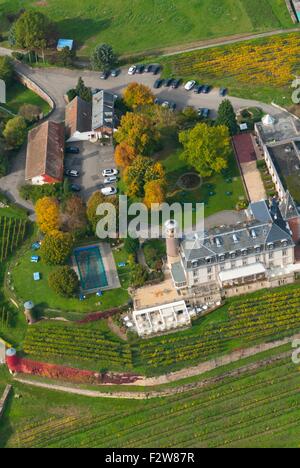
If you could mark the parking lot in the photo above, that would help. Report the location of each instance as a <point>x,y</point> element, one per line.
<point>90,162</point>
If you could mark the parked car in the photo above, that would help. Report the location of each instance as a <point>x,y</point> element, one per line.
<point>176,84</point>
<point>157,101</point>
<point>72,150</point>
<point>205,113</point>
<point>166,104</point>
<point>75,188</point>
<point>148,68</point>
<point>114,73</point>
<point>105,74</point>
<point>110,172</point>
<point>72,173</point>
<point>109,191</point>
<point>156,69</point>
<point>158,83</point>
<point>198,89</point>
<point>206,89</point>
<point>168,82</point>
<point>223,92</point>
<point>132,70</point>
<point>111,179</point>
<point>140,69</point>
<point>190,85</point>
<point>173,106</point>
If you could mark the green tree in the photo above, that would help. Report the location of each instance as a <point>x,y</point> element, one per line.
<point>131,245</point>
<point>56,247</point>
<point>33,30</point>
<point>103,57</point>
<point>83,91</point>
<point>227,117</point>
<point>206,148</point>
<point>6,70</point>
<point>66,56</point>
<point>15,132</point>
<point>64,281</point>
<point>138,275</point>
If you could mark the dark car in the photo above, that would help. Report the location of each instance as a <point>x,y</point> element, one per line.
<point>158,83</point>
<point>176,84</point>
<point>156,69</point>
<point>148,68</point>
<point>223,92</point>
<point>206,89</point>
<point>168,82</point>
<point>114,73</point>
<point>140,69</point>
<point>158,101</point>
<point>75,188</point>
<point>198,89</point>
<point>72,173</point>
<point>173,106</point>
<point>205,113</point>
<point>104,75</point>
<point>72,150</point>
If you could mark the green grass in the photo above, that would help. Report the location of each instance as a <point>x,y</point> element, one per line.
<point>17,95</point>
<point>139,25</point>
<point>227,188</point>
<point>259,408</point>
<point>45,298</point>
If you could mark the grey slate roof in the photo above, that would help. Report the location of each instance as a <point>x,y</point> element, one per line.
<point>178,272</point>
<point>260,211</point>
<point>220,245</point>
<point>103,110</point>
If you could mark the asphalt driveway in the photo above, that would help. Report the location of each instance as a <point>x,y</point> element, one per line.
<point>91,161</point>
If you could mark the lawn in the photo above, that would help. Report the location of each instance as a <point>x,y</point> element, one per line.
<point>45,298</point>
<point>258,408</point>
<point>140,25</point>
<point>219,192</point>
<point>17,95</point>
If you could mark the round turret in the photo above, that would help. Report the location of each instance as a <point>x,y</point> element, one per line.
<point>172,243</point>
<point>28,311</point>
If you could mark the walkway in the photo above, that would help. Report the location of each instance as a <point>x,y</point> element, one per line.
<point>176,376</point>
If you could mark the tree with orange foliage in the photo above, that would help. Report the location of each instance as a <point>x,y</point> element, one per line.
<point>139,132</point>
<point>155,192</point>
<point>47,213</point>
<point>124,155</point>
<point>138,95</point>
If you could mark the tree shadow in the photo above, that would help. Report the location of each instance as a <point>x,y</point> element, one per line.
<point>80,30</point>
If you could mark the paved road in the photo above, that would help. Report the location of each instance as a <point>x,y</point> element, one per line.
<point>57,81</point>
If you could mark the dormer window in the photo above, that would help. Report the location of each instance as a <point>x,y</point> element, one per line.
<point>232,254</point>
<point>222,258</point>
<point>244,252</point>
<point>194,263</point>
<point>257,249</point>
<point>271,246</point>
<point>285,243</point>
<point>208,260</point>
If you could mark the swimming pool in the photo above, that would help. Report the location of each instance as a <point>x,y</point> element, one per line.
<point>91,268</point>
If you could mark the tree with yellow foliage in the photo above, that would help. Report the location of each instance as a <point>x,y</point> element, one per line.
<point>155,192</point>
<point>139,132</point>
<point>138,95</point>
<point>124,155</point>
<point>47,213</point>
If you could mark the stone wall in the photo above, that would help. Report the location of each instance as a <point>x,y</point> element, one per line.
<point>30,84</point>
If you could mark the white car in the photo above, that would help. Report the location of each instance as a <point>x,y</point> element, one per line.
<point>109,191</point>
<point>132,70</point>
<point>109,180</point>
<point>189,85</point>
<point>110,172</point>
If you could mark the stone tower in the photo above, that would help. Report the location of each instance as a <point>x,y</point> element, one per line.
<point>172,242</point>
<point>28,311</point>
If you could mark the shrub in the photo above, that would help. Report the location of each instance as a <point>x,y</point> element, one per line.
<point>30,112</point>
<point>64,281</point>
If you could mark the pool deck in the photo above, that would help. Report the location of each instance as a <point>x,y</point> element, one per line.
<point>109,265</point>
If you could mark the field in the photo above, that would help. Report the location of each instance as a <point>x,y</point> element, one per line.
<point>45,298</point>
<point>139,25</point>
<point>240,324</point>
<point>258,408</point>
<point>263,69</point>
